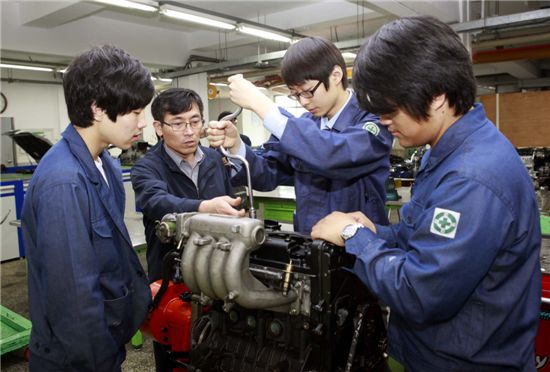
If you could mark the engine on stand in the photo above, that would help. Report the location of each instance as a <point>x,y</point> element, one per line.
<point>267,300</point>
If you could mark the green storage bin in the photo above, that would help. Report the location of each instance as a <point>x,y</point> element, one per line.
<point>15,331</point>
<point>545,224</point>
<point>281,210</point>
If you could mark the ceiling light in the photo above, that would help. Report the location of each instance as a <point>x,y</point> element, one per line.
<point>130,4</point>
<point>219,84</point>
<point>195,18</point>
<point>164,80</point>
<point>349,55</point>
<point>22,67</point>
<point>263,34</point>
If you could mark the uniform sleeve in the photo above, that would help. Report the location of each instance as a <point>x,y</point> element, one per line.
<point>429,275</point>
<point>344,155</point>
<point>153,197</point>
<point>267,171</point>
<point>69,270</point>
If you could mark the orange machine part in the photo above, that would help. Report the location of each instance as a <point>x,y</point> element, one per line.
<point>170,322</point>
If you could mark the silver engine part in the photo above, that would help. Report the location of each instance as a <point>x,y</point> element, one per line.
<point>215,260</point>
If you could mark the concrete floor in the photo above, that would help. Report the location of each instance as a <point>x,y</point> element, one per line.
<point>14,297</point>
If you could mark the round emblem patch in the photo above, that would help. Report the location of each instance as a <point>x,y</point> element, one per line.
<point>371,127</point>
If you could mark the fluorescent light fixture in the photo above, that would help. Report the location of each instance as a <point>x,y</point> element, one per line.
<point>164,80</point>
<point>195,18</point>
<point>349,55</point>
<point>130,4</point>
<point>263,34</point>
<point>220,84</point>
<point>22,67</point>
<point>62,70</point>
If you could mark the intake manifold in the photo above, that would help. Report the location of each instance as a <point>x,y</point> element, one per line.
<point>215,260</point>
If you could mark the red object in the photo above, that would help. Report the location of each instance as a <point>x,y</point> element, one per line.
<point>542,344</point>
<point>170,322</point>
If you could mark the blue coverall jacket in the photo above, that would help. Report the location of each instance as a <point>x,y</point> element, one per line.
<point>461,271</point>
<point>88,292</point>
<point>162,188</point>
<point>344,169</point>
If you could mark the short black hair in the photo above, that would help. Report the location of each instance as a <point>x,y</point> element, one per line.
<point>108,76</point>
<point>409,62</point>
<point>223,114</point>
<point>175,101</point>
<point>312,58</point>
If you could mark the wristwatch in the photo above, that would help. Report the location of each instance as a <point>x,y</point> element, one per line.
<point>350,230</point>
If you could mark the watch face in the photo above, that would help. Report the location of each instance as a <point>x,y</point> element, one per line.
<point>350,230</point>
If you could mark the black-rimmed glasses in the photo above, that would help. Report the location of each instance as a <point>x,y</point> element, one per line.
<point>181,125</point>
<point>306,93</point>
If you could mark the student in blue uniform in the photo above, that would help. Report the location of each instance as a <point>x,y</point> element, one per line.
<point>461,271</point>
<point>176,176</point>
<point>88,293</point>
<point>336,155</point>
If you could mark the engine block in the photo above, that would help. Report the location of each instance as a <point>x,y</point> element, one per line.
<point>276,301</point>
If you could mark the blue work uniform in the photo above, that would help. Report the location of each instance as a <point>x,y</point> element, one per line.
<point>88,293</point>
<point>341,169</point>
<point>161,188</point>
<point>461,271</point>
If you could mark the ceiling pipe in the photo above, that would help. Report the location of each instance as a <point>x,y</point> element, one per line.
<point>512,54</point>
<point>512,40</point>
<point>511,20</point>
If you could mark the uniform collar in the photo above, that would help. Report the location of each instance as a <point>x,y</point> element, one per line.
<point>329,124</point>
<point>349,115</point>
<point>173,162</point>
<point>178,159</point>
<point>455,135</point>
<point>82,153</point>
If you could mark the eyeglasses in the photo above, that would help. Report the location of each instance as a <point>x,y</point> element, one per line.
<point>306,93</point>
<point>179,126</point>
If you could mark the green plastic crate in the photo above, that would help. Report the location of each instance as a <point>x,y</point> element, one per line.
<point>15,331</point>
<point>545,224</point>
<point>281,210</point>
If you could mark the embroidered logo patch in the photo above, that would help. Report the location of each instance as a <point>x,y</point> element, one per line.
<point>371,127</point>
<point>445,223</point>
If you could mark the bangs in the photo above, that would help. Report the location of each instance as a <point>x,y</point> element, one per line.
<point>374,102</point>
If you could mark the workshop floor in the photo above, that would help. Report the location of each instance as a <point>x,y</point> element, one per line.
<point>14,297</point>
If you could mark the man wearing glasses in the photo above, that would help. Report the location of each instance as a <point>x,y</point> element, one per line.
<point>177,175</point>
<point>336,154</point>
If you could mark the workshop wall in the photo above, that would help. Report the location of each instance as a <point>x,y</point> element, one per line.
<point>41,109</point>
<point>524,118</point>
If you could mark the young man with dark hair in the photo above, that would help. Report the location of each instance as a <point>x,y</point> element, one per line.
<point>178,175</point>
<point>336,154</point>
<point>88,293</point>
<point>461,271</point>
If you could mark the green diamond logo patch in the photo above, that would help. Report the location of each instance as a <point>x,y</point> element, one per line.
<point>371,127</point>
<point>445,223</point>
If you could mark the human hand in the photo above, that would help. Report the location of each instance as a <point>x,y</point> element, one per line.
<point>222,205</point>
<point>363,220</point>
<point>247,95</point>
<point>223,133</point>
<point>330,227</point>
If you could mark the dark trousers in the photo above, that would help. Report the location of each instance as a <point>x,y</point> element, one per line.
<point>162,360</point>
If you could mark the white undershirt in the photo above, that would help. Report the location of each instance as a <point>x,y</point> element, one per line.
<point>99,165</point>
